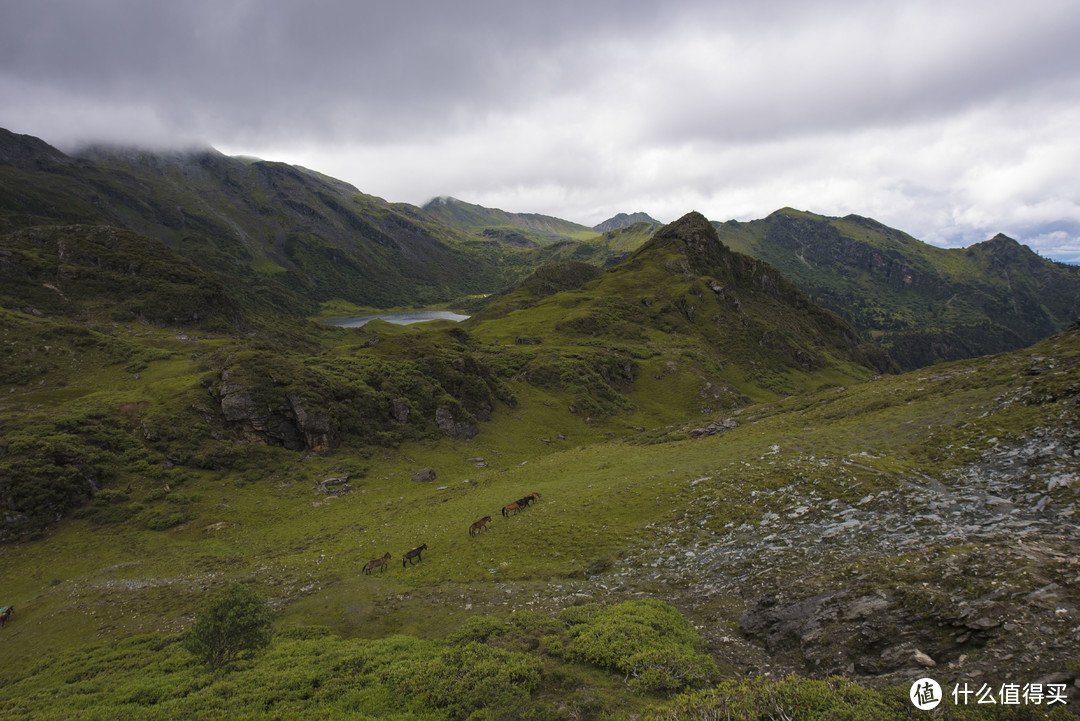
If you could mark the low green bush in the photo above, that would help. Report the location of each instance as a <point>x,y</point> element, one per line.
<point>832,699</point>
<point>164,522</point>
<point>647,640</point>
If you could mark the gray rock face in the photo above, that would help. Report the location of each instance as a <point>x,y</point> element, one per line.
<point>290,424</point>
<point>459,429</point>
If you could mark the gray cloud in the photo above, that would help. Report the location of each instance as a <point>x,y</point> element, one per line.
<point>951,121</point>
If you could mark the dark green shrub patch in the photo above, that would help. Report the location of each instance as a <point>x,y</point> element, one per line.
<point>52,466</point>
<point>648,641</point>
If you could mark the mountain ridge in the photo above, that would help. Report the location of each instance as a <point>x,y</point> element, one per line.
<point>923,303</point>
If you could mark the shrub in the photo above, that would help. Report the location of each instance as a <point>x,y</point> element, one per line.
<point>648,641</point>
<point>164,523</point>
<point>238,620</point>
<point>478,629</point>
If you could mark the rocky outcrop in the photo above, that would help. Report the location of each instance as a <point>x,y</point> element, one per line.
<point>714,429</point>
<point>458,429</point>
<point>288,424</point>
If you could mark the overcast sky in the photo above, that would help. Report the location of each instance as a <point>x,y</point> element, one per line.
<point>952,120</point>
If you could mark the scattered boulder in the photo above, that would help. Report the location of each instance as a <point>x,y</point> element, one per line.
<point>334,487</point>
<point>215,527</point>
<point>715,428</point>
<point>424,475</point>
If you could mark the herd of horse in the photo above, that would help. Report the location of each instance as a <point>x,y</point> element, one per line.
<point>481,525</point>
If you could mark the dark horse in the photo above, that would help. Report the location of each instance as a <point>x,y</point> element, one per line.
<point>415,553</point>
<point>379,563</point>
<point>4,613</point>
<point>480,525</point>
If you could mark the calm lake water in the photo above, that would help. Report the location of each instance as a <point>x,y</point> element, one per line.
<point>413,316</point>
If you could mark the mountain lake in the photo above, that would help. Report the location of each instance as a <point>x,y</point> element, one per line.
<point>403,318</point>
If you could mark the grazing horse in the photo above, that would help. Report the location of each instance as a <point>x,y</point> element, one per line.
<point>415,553</point>
<point>524,502</point>
<point>534,496</point>
<point>379,563</point>
<point>480,525</point>
<point>511,507</point>
<point>4,613</point>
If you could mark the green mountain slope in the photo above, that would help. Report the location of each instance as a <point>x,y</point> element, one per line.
<point>681,326</point>
<point>284,238</point>
<point>923,304</point>
<point>605,250</point>
<point>525,230</point>
<point>93,273</point>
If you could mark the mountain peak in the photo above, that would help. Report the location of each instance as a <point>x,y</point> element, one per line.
<point>1003,240</point>
<point>697,237</point>
<point>621,220</point>
<point>29,153</point>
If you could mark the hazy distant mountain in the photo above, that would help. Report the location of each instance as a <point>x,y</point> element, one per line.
<point>519,229</point>
<point>622,220</point>
<point>921,303</point>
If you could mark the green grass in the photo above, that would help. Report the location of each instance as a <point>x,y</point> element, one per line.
<point>107,584</point>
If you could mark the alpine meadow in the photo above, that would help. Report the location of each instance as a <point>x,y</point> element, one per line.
<point>777,469</point>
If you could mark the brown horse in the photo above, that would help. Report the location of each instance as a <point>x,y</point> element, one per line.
<point>415,553</point>
<point>534,496</point>
<point>511,508</point>
<point>379,563</point>
<point>480,525</point>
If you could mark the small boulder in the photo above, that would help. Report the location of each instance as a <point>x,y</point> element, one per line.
<point>424,475</point>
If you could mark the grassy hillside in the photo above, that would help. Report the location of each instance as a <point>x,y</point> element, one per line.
<point>923,304</point>
<point>281,238</point>
<point>683,326</point>
<point>100,273</point>
<point>895,527</point>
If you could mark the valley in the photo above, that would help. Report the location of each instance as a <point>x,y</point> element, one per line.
<point>749,506</point>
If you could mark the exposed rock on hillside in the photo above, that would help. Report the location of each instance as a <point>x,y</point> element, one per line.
<point>444,418</point>
<point>285,424</point>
